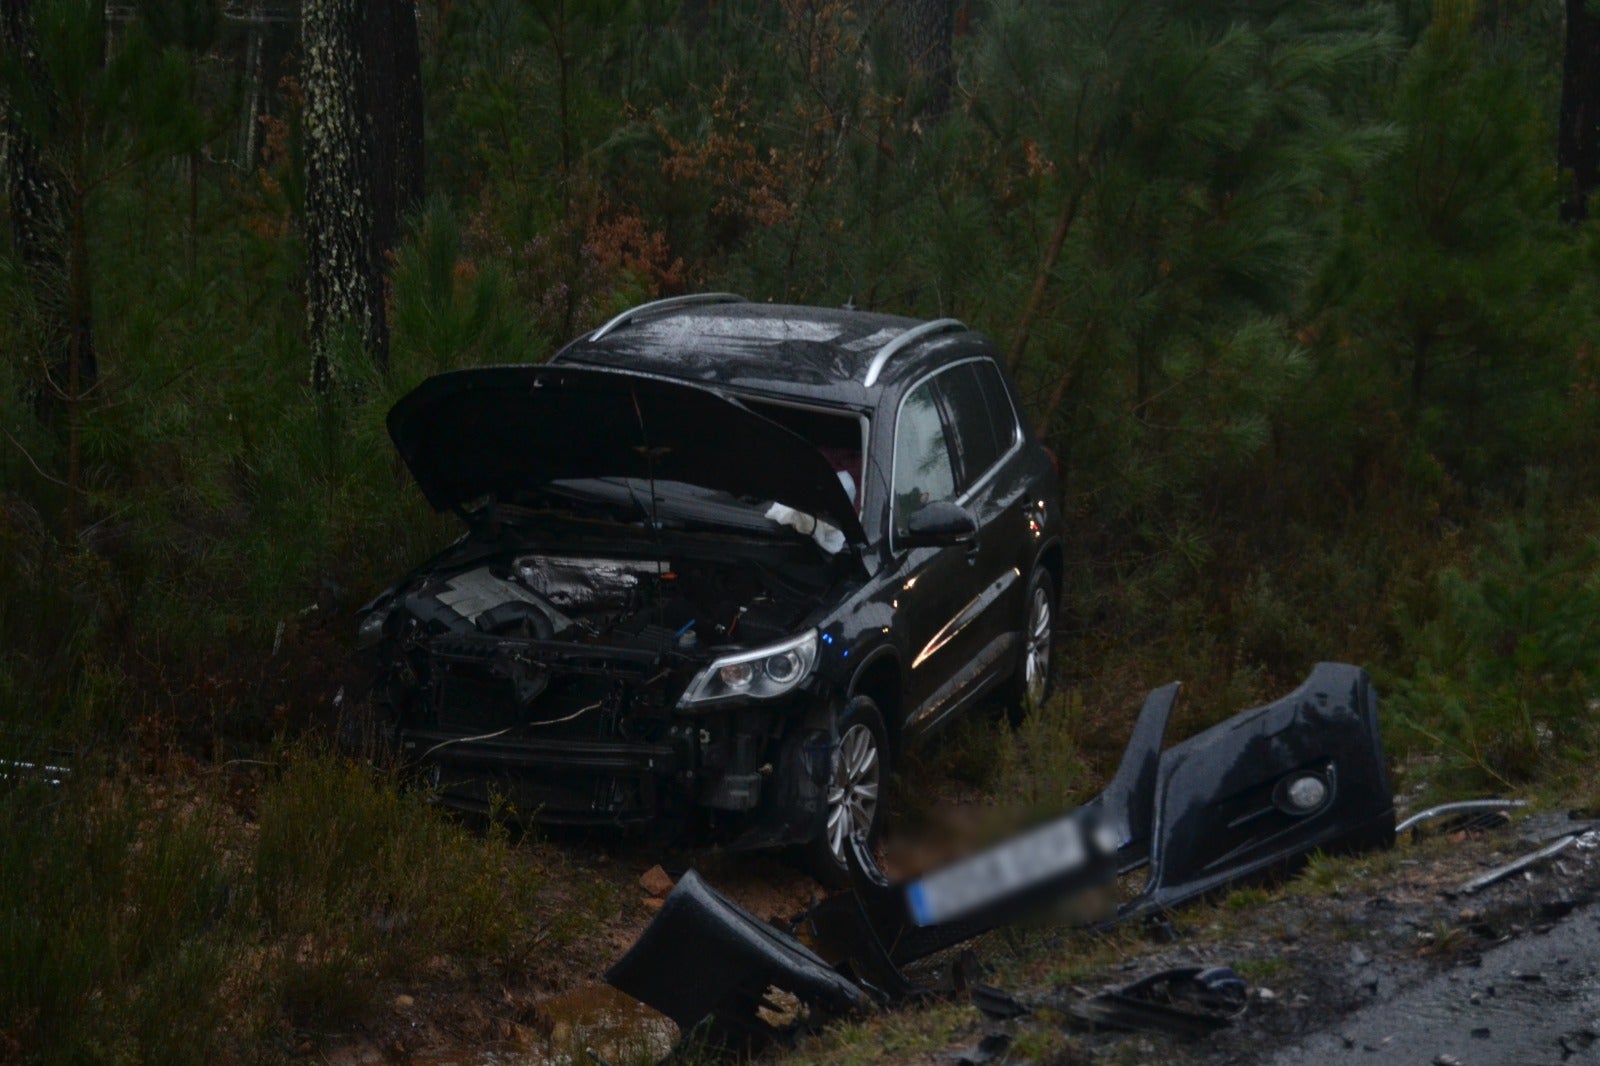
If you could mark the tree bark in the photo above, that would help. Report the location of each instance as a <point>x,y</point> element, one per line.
<point>40,198</point>
<point>927,30</point>
<point>393,90</point>
<point>1578,148</point>
<point>363,137</point>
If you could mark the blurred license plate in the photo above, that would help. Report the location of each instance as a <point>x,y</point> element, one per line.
<point>1004,870</point>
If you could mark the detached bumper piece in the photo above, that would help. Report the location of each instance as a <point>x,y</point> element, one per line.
<point>728,977</point>
<point>1247,799</point>
<point>1256,795</point>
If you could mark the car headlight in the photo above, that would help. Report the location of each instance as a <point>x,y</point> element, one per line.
<point>759,674</point>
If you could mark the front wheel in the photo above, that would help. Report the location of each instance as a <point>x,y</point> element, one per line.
<point>1031,684</point>
<point>856,790</point>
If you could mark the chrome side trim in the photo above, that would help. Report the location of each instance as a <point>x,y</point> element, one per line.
<point>966,616</point>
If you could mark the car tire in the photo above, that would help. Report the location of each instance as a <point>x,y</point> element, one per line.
<point>857,790</point>
<point>1031,684</point>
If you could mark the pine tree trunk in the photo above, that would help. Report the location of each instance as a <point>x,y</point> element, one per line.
<point>363,136</point>
<point>927,28</point>
<point>344,289</point>
<point>392,59</point>
<point>40,198</point>
<point>1578,150</point>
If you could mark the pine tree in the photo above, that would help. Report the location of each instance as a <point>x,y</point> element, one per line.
<point>1451,298</point>
<point>79,116</point>
<point>40,227</point>
<point>927,35</point>
<point>1579,135</point>
<point>363,135</point>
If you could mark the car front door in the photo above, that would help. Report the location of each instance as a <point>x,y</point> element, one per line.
<point>938,584</point>
<point>993,487</point>
<point>943,601</point>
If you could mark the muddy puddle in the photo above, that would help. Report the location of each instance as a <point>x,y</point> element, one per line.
<point>1532,1001</point>
<point>621,1031</point>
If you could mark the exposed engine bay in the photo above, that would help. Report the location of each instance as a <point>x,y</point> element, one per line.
<point>557,653</point>
<point>632,602</point>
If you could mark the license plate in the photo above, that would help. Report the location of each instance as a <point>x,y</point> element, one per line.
<point>1028,861</point>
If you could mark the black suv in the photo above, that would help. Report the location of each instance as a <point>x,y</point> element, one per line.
<point>724,559</point>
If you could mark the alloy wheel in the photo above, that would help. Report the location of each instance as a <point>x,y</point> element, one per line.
<point>1036,665</point>
<point>853,795</point>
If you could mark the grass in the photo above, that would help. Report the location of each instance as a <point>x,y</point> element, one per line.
<point>378,883</point>
<point>920,1031</point>
<point>145,921</point>
<point>1262,971</point>
<point>114,924</point>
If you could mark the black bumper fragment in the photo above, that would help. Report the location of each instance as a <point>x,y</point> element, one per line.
<point>1252,796</point>
<point>708,964</point>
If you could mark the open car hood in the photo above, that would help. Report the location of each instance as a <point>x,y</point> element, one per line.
<point>496,430</point>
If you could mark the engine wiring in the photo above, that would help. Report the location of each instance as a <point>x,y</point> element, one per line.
<point>502,732</point>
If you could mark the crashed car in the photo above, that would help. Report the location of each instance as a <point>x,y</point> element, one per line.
<point>723,561</point>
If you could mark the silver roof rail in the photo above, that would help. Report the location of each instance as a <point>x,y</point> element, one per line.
<point>668,304</point>
<point>904,340</point>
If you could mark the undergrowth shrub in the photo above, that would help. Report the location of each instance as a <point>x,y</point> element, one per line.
<point>1507,669</point>
<point>1039,765</point>
<point>111,929</point>
<point>357,879</point>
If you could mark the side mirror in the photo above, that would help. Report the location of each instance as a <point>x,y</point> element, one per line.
<point>938,525</point>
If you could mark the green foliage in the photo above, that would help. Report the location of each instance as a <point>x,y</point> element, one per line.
<point>109,913</point>
<point>364,881</point>
<point>449,311</point>
<point>96,111</point>
<point>1507,668</point>
<point>1039,768</point>
<point>1455,293</point>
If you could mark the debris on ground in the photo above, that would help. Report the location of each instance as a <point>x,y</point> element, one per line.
<point>656,881</point>
<point>1252,796</point>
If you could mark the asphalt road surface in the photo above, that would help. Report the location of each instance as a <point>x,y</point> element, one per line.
<point>1531,1001</point>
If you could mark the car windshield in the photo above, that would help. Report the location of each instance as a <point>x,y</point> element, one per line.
<point>841,437</point>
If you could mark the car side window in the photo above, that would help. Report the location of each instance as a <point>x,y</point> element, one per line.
<point>979,441</point>
<point>1002,415</point>
<point>923,473</point>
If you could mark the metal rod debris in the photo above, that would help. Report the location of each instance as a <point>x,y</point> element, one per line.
<point>1460,807</point>
<point>1516,866</point>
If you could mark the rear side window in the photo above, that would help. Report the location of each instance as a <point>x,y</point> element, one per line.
<point>923,472</point>
<point>980,412</point>
<point>1002,415</point>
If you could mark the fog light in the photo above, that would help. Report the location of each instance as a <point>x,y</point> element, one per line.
<point>1302,794</point>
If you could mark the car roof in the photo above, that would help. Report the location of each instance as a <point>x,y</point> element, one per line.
<point>783,350</point>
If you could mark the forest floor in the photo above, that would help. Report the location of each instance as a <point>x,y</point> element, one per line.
<point>1345,934</point>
